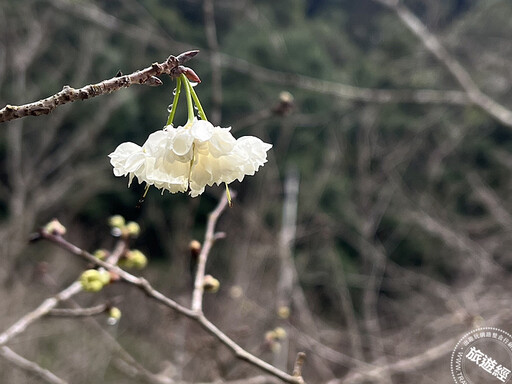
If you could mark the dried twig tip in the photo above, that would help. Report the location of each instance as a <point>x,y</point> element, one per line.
<point>299,362</point>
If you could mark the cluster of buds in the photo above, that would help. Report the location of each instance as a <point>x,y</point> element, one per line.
<point>274,337</point>
<point>133,259</point>
<point>122,228</point>
<point>94,280</point>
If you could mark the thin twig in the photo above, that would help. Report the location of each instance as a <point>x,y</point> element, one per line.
<point>197,295</point>
<point>79,312</point>
<point>99,17</point>
<point>45,307</point>
<point>432,43</point>
<point>30,366</point>
<point>172,67</point>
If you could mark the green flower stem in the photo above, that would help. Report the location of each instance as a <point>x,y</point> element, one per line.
<point>202,115</point>
<point>175,101</point>
<point>190,106</point>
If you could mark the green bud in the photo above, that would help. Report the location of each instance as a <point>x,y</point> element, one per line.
<point>134,259</point>
<point>100,254</point>
<point>114,313</point>
<point>116,221</point>
<point>91,280</point>
<point>104,277</point>
<point>133,229</point>
<point>126,263</point>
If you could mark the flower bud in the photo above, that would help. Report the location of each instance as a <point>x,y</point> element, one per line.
<point>133,229</point>
<point>114,313</point>
<point>134,259</point>
<point>270,336</point>
<point>279,333</point>
<point>195,247</point>
<point>91,280</point>
<point>283,312</point>
<point>104,277</point>
<point>101,254</point>
<point>116,221</point>
<point>210,284</point>
<point>55,228</point>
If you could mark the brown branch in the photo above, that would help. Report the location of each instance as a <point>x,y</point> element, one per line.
<point>432,43</point>
<point>30,366</point>
<point>172,67</point>
<point>420,96</point>
<point>195,315</point>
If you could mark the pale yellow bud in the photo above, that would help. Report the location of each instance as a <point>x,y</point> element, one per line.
<point>210,284</point>
<point>133,229</point>
<point>116,221</point>
<point>114,313</point>
<point>279,333</point>
<point>100,254</point>
<point>55,228</point>
<point>283,312</point>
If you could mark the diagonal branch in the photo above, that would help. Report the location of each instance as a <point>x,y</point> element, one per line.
<point>148,76</point>
<point>197,316</point>
<point>30,366</point>
<point>45,307</point>
<point>432,43</point>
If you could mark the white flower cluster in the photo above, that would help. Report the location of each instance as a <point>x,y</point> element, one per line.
<point>193,156</point>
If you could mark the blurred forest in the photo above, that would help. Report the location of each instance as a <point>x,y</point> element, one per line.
<point>381,222</point>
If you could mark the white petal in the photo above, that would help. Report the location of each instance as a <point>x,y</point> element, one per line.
<point>201,130</point>
<point>182,141</point>
<point>222,142</point>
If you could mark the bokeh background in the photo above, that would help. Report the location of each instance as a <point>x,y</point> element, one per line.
<point>390,242</point>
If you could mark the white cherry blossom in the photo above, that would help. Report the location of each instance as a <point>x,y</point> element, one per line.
<point>190,158</point>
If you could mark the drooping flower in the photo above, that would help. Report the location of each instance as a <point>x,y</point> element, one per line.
<point>190,157</point>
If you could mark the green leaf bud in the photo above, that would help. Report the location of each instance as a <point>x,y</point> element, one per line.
<point>133,229</point>
<point>116,221</point>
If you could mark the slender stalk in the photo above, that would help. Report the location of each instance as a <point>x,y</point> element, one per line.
<point>190,106</point>
<point>175,101</point>
<point>202,115</point>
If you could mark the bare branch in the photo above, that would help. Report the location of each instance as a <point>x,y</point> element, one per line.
<point>30,366</point>
<point>45,307</point>
<point>431,42</point>
<point>197,295</point>
<point>79,312</point>
<point>420,96</point>
<point>171,66</point>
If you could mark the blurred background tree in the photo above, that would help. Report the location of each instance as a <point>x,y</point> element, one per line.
<point>402,230</point>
